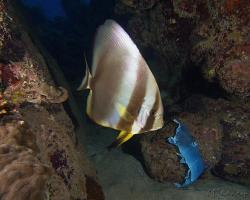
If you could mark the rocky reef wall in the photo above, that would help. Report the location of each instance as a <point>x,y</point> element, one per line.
<point>40,156</point>
<point>198,47</point>
<point>210,37</point>
<point>192,46</point>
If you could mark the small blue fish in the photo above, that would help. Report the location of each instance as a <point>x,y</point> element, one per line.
<point>189,153</point>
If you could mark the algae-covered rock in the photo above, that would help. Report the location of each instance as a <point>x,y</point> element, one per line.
<point>235,161</point>
<point>162,36</point>
<point>40,157</point>
<point>221,130</point>
<point>141,5</point>
<point>221,45</point>
<point>23,176</point>
<point>160,158</point>
<point>207,36</point>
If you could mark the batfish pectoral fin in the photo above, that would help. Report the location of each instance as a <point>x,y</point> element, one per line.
<point>87,78</point>
<point>121,138</point>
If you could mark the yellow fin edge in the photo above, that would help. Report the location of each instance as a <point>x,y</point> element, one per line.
<point>123,136</point>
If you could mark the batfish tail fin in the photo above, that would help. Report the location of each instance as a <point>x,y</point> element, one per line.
<point>87,78</point>
<point>121,138</point>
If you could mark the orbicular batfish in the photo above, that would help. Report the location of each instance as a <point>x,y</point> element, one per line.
<point>123,94</point>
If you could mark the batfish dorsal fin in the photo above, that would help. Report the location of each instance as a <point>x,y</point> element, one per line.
<point>87,78</point>
<point>113,46</point>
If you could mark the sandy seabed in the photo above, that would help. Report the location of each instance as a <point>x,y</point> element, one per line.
<point>123,177</point>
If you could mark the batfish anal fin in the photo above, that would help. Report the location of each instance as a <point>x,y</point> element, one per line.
<point>123,136</point>
<point>87,78</point>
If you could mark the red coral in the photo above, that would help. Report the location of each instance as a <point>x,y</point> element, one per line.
<point>8,75</point>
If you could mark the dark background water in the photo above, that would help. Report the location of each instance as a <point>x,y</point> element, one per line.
<point>50,8</point>
<point>66,29</point>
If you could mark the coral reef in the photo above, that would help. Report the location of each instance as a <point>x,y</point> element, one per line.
<point>222,41</point>
<point>39,154</point>
<point>21,85</point>
<point>209,35</point>
<point>207,41</point>
<point>223,138</point>
<point>23,175</point>
<point>235,160</point>
<point>160,30</point>
<point>55,134</point>
<point>204,128</point>
<point>140,5</point>
<point>160,158</point>
<point>224,45</point>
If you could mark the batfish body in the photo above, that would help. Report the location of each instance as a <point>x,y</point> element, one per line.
<point>123,91</point>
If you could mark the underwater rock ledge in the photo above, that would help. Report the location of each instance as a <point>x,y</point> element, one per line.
<point>221,130</point>
<point>39,157</point>
<point>208,36</point>
<point>197,46</point>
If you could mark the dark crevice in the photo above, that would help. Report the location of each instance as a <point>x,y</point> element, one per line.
<point>193,82</point>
